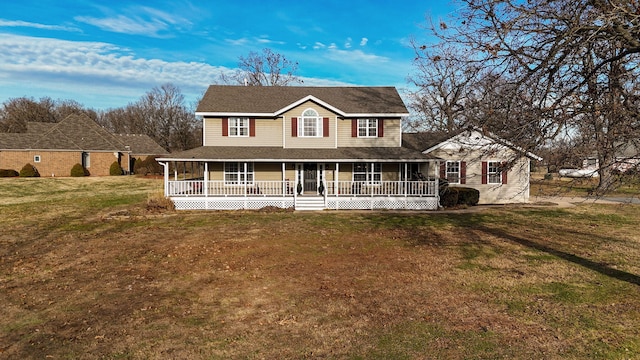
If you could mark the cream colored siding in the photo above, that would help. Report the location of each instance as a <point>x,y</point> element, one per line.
<point>391,136</point>
<point>268,171</point>
<point>516,190</point>
<point>309,142</point>
<point>268,133</point>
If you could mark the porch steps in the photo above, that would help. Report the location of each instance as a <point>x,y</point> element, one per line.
<point>309,203</point>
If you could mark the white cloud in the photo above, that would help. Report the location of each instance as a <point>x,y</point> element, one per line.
<point>61,65</point>
<point>19,23</point>
<point>138,21</point>
<point>355,57</point>
<point>318,45</point>
<point>333,46</point>
<point>347,44</point>
<point>364,41</point>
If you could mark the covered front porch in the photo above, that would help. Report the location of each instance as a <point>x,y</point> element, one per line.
<point>368,182</point>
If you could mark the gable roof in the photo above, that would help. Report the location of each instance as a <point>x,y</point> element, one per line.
<point>140,144</point>
<point>270,101</point>
<point>77,133</point>
<point>476,138</point>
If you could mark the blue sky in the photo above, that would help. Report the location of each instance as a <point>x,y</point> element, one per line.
<point>108,54</point>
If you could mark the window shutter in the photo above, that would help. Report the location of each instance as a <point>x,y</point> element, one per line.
<point>484,172</point>
<point>463,172</point>
<point>252,127</point>
<point>294,127</point>
<point>504,172</point>
<point>443,170</point>
<point>354,128</point>
<point>325,127</point>
<point>225,126</point>
<point>380,128</point>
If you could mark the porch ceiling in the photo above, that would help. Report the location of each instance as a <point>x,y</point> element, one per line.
<point>278,154</point>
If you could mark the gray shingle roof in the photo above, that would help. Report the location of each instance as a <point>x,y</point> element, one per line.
<point>271,99</point>
<point>265,154</point>
<point>141,144</point>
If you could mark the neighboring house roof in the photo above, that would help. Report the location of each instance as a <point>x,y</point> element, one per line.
<point>266,154</point>
<point>140,144</point>
<point>221,100</point>
<point>76,133</point>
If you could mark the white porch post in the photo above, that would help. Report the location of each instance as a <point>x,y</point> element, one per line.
<point>175,172</point>
<point>335,180</point>
<point>245,179</point>
<point>206,179</point>
<point>284,185</point>
<point>165,165</point>
<point>406,183</point>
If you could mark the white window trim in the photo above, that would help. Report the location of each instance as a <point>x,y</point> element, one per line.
<point>240,174</point>
<point>238,124</point>
<point>498,173</point>
<point>37,158</point>
<point>363,124</point>
<point>318,124</point>
<point>456,173</point>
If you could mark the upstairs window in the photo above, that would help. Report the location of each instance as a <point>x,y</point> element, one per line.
<point>238,126</point>
<point>367,127</point>
<point>310,124</point>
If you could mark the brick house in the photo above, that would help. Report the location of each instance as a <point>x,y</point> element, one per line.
<point>54,148</point>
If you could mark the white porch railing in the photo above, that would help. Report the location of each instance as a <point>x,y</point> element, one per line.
<point>186,188</point>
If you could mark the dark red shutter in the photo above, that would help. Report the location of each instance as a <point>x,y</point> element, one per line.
<point>504,172</point>
<point>380,128</point>
<point>225,126</point>
<point>325,127</point>
<point>484,172</point>
<point>354,128</point>
<point>443,170</point>
<point>463,172</point>
<point>252,127</point>
<point>294,127</point>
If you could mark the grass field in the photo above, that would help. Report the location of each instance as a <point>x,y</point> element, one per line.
<point>88,272</point>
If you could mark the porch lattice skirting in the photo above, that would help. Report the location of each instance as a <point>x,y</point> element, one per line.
<point>333,203</point>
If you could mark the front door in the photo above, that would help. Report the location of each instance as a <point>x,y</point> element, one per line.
<point>310,177</point>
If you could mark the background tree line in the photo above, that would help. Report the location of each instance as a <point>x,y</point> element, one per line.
<point>550,76</point>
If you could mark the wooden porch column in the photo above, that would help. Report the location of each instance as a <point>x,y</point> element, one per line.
<point>206,178</point>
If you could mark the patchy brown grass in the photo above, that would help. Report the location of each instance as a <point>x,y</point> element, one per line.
<point>95,274</point>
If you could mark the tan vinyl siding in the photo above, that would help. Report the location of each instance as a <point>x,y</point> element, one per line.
<point>268,133</point>
<point>391,136</point>
<point>216,171</point>
<point>310,142</point>
<point>516,190</point>
<point>268,171</point>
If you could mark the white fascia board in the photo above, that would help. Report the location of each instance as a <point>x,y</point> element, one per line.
<point>299,160</point>
<point>227,114</point>
<point>309,98</point>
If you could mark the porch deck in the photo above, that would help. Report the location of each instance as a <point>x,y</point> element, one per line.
<point>218,195</point>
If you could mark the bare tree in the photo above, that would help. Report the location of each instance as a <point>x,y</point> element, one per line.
<point>264,69</point>
<point>15,113</point>
<point>563,67</point>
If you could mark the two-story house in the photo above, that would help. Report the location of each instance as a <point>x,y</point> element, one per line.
<point>302,147</point>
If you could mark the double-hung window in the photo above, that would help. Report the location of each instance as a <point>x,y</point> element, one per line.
<point>494,172</point>
<point>367,172</point>
<point>235,174</point>
<point>310,124</point>
<point>453,172</point>
<point>367,127</point>
<point>238,126</point>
